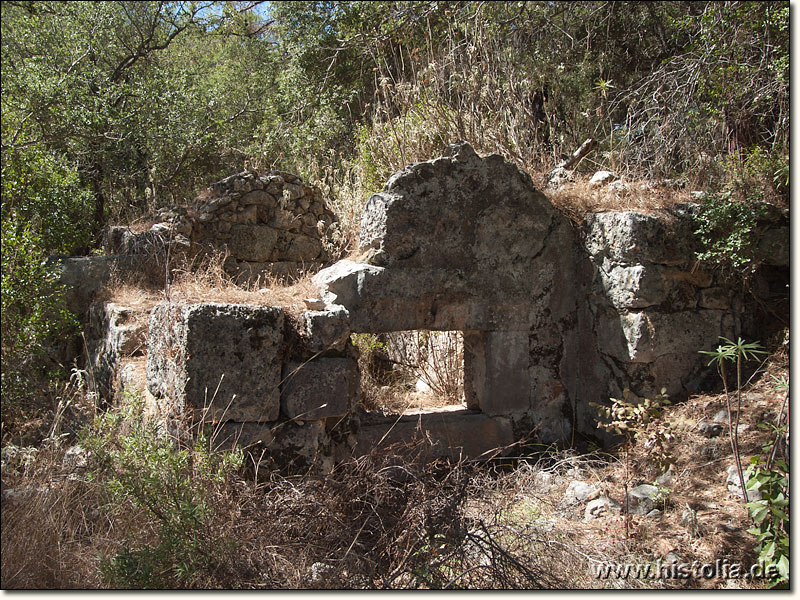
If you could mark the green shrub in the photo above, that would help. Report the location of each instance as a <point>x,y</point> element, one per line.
<point>176,487</point>
<point>45,211</point>
<point>726,230</point>
<point>33,314</point>
<point>770,516</point>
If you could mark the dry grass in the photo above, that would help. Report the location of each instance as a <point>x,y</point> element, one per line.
<point>208,282</point>
<point>397,519</point>
<point>576,199</point>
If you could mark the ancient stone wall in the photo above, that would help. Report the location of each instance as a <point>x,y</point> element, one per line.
<point>554,317</point>
<point>266,225</point>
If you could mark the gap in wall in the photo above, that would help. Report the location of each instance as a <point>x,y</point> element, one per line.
<point>407,372</point>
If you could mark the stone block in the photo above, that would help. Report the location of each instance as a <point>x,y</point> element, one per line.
<point>716,298</point>
<point>252,243</point>
<point>299,248</point>
<point>326,329</point>
<point>634,286</point>
<point>635,238</point>
<point>225,357</point>
<point>321,388</point>
<point>496,371</point>
<point>455,434</point>
<point>643,498</point>
<point>642,337</point>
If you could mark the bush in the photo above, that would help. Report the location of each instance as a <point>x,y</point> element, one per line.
<point>33,314</point>
<point>141,468</point>
<point>726,231</point>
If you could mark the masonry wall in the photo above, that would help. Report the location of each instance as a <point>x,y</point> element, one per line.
<point>266,225</point>
<point>554,318</point>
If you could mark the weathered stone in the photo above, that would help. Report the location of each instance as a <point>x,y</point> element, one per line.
<point>543,480</point>
<point>600,508</point>
<point>773,246</point>
<point>619,187</point>
<point>642,499</point>
<point>710,430</point>
<point>578,492</point>
<point>114,332</point>
<point>83,277</point>
<point>642,337</point>
<point>248,215</point>
<point>326,329</point>
<point>320,388</point>
<point>301,248</point>
<point>636,238</point>
<point>634,286</point>
<point>603,178</point>
<point>716,298</point>
<point>496,376</point>
<point>454,434</point>
<point>258,197</point>
<point>253,243</point>
<point>292,192</point>
<point>341,284</point>
<point>734,484</point>
<point>558,177</point>
<point>220,357</point>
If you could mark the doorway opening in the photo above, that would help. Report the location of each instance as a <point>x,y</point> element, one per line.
<point>410,372</point>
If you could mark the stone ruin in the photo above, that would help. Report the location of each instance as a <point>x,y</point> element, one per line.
<point>554,316</point>
<point>265,225</point>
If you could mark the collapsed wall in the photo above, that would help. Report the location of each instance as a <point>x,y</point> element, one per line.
<point>554,318</point>
<point>270,225</point>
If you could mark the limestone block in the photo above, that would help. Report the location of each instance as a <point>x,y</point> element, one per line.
<point>321,388</point>
<point>496,375</point>
<point>634,286</point>
<point>286,443</point>
<point>222,356</point>
<point>301,248</point>
<point>642,337</point>
<point>326,329</point>
<point>259,198</point>
<point>114,333</point>
<point>446,212</point>
<point>453,434</point>
<point>342,283</point>
<point>254,243</point>
<point>636,238</point>
<point>716,298</point>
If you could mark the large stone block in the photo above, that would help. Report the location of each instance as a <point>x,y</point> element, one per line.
<point>321,388</point>
<point>115,332</point>
<point>635,238</point>
<point>496,371</point>
<point>224,358</point>
<point>455,434</point>
<point>642,336</point>
<point>252,243</point>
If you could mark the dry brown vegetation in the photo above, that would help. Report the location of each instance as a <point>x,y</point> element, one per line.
<point>208,282</point>
<point>391,519</point>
